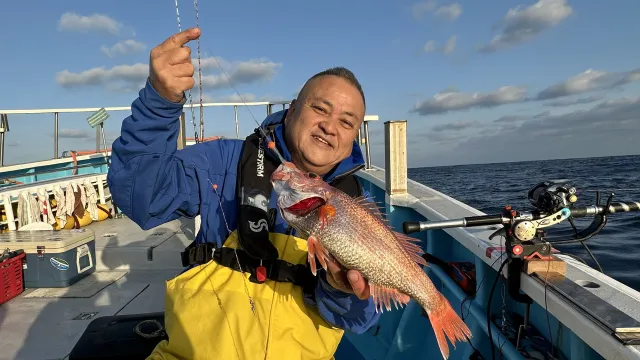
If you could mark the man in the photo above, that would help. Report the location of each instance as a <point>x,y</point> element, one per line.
<point>153,183</point>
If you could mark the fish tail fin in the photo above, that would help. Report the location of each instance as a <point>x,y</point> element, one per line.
<point>445,321</point>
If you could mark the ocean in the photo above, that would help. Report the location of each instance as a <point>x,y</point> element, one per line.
<point>489,187</point>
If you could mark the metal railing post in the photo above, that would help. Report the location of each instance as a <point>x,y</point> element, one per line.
<point>367,149</point>
<point>235,112</point>
<point>55,135</point>
<point>97,139</point>
<point>4,127</point>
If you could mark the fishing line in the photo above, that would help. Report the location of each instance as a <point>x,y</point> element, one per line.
<point>195,6</point>
<point>271,143</point>
<point>193,116</point>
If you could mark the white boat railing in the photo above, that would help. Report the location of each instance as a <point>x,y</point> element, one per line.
<point>182,141</point>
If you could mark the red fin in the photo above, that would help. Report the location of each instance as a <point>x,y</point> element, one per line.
<point>445,321</point>
<point>413,250</point>
<point>384,296</point>
<point>316,250</point>
<point>326,212</point>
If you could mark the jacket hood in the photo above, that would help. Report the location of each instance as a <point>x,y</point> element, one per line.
<point>354,162</point>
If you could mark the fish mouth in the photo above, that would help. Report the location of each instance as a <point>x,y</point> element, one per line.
<point>306,206</point>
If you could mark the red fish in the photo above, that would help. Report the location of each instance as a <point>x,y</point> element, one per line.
<point>354,233</point>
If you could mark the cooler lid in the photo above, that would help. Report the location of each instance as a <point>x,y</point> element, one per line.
<point>52,240</point>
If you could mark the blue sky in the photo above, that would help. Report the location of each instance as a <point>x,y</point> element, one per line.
<point>432,63</point>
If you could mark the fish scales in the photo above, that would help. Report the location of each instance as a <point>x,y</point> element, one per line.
<point>354,233</point>
<point>359,240</point>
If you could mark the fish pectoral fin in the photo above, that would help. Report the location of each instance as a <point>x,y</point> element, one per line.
<point>414,251</point>
<point>326,212</point>
<point>315,249</point>
<point>383,296</point>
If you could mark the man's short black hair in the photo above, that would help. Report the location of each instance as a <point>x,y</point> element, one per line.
<point>341,72</point>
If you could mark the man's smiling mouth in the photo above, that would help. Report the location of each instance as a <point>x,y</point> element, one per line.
<point>321,140</point>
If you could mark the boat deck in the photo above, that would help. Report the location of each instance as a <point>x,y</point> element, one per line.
<point>131,267</point>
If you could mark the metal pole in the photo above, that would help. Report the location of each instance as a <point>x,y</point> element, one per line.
<point>104,141</point>
<point>235,112</point>
<point>268,109</point>
<point>366,140</point>
<point>2,148</point>
<point>55,135</point>
<point>97,139</point>
<point>4,124</point>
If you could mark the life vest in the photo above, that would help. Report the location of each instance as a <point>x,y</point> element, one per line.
<point>208,311</point>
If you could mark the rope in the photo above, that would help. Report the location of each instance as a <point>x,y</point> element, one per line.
<point>158,333</point>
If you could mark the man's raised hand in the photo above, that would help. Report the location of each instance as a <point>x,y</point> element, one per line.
<point>170,67</point>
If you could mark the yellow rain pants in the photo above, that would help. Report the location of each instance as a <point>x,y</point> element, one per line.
<point>208,314</point>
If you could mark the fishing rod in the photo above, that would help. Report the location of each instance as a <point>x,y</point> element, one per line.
<point>524,233</point>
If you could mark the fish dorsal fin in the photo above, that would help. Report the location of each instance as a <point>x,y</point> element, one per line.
<point>412,249</point>
<point>407,243</point>
<point>371,206</point>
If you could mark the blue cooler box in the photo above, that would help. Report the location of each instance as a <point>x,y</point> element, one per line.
<point>54,259</point>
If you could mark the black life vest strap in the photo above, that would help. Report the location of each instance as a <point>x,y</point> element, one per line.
<point>253,191</point>
<point>277,269</point>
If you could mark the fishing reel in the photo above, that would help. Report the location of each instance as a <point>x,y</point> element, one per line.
<point>551,196</point>
<point>525,232</point>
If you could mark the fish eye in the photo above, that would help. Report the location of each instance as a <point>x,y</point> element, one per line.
<point>312,175</point>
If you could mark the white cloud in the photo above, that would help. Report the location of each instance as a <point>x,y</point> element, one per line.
<point>123,48</point>
<point>419,9</point>
<point>452,99</point>
<point>96,22</point>
<point>614,124</point>
<point>430,46</point>
<point>578,101</point>
<point>520,25</point>
<point>447,48</point>
<point>458,125</point>
<point>247,97</point>
<point>587,81</point>
<point>73,134</point>
<point>128,78</point>
<point>243,72</point>
<point>449,12</point>
<point>100,76</point>
<point>229,98</point>
<point>590,80</point>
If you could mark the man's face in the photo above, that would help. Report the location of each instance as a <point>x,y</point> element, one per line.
<point>323,123</point>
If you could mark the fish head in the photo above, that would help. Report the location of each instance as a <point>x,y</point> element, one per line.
<point>299,193</point>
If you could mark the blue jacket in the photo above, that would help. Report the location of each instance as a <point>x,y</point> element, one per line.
<point>153,183</point>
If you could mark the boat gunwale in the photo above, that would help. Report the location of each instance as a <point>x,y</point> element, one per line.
<point>476,241</point>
